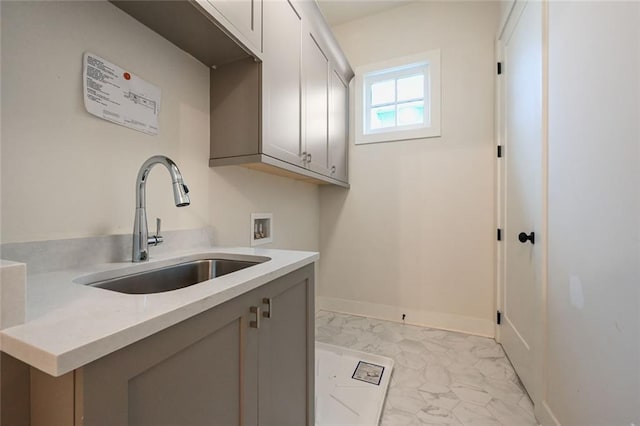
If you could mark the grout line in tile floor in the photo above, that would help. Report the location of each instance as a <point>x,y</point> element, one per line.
<point>440,377</point>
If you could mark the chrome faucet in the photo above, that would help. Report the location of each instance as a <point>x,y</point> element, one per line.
<point>141,239</point>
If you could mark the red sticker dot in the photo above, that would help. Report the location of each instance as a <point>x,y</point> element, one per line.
<point>126,76</point>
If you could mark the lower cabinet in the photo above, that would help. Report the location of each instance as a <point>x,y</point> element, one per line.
<point>286,366</point>
<point>249,361</point>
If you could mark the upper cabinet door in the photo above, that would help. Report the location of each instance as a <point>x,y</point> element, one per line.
<point>281,82</point>
<point>315,71</point>
<point>338,136</point>
<point>245,16</point>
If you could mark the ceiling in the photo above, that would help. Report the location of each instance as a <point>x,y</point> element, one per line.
<point>338,12</point>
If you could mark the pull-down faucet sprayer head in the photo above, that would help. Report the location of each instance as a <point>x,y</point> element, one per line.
<point>180,190</point>
<point>181,194</point>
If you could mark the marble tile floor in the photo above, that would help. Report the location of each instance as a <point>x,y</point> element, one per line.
<point>440,377</point>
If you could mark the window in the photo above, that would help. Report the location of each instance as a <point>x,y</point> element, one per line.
<point>398,99</point>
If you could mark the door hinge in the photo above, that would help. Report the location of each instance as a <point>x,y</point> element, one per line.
<point>499,68</point>
<point>499,234</point>
<point>499,151</point>
<point>498,317</point>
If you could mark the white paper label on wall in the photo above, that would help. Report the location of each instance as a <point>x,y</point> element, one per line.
<point>119,96</point>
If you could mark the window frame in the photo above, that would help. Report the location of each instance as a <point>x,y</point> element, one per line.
<point>395,74</point>
<point>429,63</point>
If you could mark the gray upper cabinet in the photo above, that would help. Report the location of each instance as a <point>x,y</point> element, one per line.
<point>245,16</point>
<point>281,82</point>
<point>338,127</point>
<point>272,88</point>
<point>194,26</point>
<point>315,96</point>
<point>293,125</point>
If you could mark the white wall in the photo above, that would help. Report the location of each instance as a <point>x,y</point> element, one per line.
<point>68,174</point>
<point>415,234</point>
<point>505,7</point>
<point>593,351</point>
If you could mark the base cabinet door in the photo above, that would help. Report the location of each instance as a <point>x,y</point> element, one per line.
<point>287,348</point>
<point>197,372</point>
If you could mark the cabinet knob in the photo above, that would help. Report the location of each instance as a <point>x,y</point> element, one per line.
<point>308,158</point>
<point>333,169</point>
<point>304,157</point>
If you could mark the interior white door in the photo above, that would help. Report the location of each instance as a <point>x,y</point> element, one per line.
<point>522,189</point>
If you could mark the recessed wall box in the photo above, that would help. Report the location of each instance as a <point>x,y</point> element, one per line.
<point>261,228</point>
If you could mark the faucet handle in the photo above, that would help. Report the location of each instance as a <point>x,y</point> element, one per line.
<point>159,238</point>
<point>156,239</point>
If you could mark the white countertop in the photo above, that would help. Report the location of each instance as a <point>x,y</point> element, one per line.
<point>69,325</point>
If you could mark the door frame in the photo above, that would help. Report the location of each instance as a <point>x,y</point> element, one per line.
<point>540,391</point>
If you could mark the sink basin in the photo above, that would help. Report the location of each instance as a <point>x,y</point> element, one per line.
<point>172,277</point>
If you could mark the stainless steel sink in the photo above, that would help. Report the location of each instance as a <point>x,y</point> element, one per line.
<point>172,277</point>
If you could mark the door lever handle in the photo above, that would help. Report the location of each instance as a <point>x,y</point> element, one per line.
<point>523,238</point>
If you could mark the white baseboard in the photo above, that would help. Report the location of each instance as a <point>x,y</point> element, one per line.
<point>444,321</point>
<point>545,416</point>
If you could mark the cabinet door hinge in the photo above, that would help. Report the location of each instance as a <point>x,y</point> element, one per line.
<point>499,151</point>
<point>499,68</point>
<point>498,317</point>
<point>499,234</point>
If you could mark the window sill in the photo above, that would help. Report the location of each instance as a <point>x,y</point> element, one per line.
<point>398,135</point>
